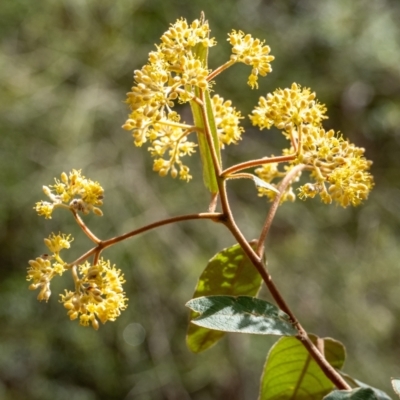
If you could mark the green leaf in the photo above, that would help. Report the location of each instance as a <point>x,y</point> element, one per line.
<point>229,272</point>
<point>396,385</point>
<point>355,394</point>
<point>241,314</point>
<point>381,395</point>
<point>291,373</point>
<point>209,177</point>
<point>200,52</point>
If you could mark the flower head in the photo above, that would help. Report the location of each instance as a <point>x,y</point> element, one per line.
<point>252,52</point>
<point>56,243</point>
<point>99,294</point>
<point>288,108</point>
<point>41,271</point>
<point>79,193</point>
<point>44,268</point>
<point>171,74</point>
<point>227,121</point>
<point>338,168</point>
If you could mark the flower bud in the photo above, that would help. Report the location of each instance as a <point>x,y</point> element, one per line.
<point>95,324</point>
<point>97,211</point>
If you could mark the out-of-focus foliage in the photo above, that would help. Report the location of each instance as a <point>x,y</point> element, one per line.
<point>65,67</point>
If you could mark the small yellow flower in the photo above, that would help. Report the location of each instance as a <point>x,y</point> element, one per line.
<point>56,243</point>
<point>99,295</point>
<point>44,208</point>
<point>41,272</point>
<point>251,52</point>
<point>82,195</point>
<point>182,37</point>
<point>288,109</point>
<point>227,121</point>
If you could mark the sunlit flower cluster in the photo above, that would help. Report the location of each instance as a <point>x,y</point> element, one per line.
<point>172,141</point>
<point>74,192</point>
<point>288,108</point>
<point>44,268</point>
<point>98,296</point>
<point>172,74</point>
<point>227,121</point>
<point>252,52</point>
<point>338,168</point>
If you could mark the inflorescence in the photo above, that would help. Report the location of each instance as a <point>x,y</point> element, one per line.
<point>175,73</point>
<point>98,294</point>
<point>171,75</point>
<point>338,168</point>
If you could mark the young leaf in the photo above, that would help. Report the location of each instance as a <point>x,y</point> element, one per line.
<point>241,314</point>
<point>229,272</point>
<point>210,180</point>
<point>291,373</point>
<point>261,183</point>
<point>355,394</point>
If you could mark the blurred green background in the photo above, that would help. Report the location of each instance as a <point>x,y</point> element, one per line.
<point>65,67</point>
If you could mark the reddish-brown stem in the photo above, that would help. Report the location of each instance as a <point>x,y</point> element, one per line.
<point>256,163</point>
<point>328,370</point>
<point>85,229</point>
<point>275,204</point>
<point>256,260</point>
<point>216,217</point>
<point>213,203</point>
<point>220,69</point>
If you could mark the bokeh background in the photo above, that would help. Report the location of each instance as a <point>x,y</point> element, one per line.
<point>65,67</point>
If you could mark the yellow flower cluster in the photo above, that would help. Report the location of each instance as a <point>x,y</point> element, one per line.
<point>339,168</point>
<point>79,193</point>
<point>227,121</point>
<point>44,268</point>
<point>287,109</point>
<point>173,141</point>
<point>252,52</point>
<point>98,295</point>
<point>171,75</point>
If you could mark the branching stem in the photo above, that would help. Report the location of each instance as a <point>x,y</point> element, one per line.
<point>275,204</point>
<point>256,163</point>
<point>85,229</point>
<point>216,217</point>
